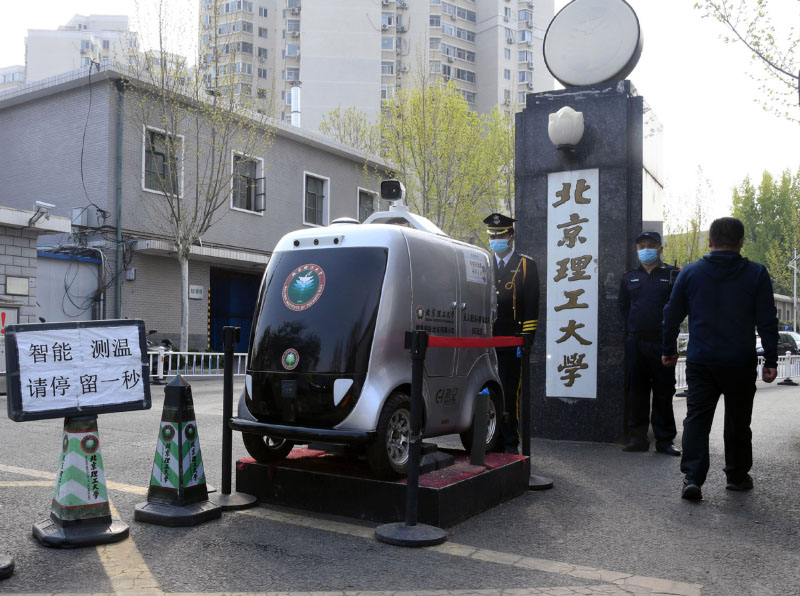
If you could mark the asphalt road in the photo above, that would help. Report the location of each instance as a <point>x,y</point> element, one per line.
<point>613,524</point>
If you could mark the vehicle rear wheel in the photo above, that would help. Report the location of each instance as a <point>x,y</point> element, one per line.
<point>265,449</point>
<point>494,412</point>
<point>388,453</point>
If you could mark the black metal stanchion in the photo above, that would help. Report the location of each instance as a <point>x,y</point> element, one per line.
<point>226,500</point>
<point>6,566</point>
<point>536,482</point>
<point>787,369</point>
<point>477,455</point>
<point>411,533</point>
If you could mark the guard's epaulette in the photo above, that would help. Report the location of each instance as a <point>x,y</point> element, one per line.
<point>525,256</point>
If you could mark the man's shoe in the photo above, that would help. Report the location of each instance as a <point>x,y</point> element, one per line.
<point>745,484</point>
<point>691,491</point>
<point>636,445</point>
<point>668,449</point>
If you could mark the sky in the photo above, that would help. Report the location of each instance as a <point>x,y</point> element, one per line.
<point>698,86</point>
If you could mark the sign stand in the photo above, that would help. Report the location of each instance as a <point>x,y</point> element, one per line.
<point>80,514</point>
<point>6,566</point>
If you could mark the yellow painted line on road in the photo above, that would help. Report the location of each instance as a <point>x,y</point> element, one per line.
<point>129,574</point>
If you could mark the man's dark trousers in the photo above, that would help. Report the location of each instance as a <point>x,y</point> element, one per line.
<point>509,369</point>
<point>646,374</point>
<point>706,383</point>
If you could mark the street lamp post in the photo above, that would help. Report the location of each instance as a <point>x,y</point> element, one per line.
<point>793,265</point>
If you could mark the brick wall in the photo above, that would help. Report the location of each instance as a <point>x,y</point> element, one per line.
<point>18,259</point>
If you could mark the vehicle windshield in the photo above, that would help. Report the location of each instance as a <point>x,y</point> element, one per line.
<point>317,312</point>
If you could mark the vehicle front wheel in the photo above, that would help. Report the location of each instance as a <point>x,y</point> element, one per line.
<point>265,449</point>
<point>494,412</point>
<point>388,453</point>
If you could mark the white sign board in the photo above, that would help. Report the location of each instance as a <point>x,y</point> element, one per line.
<point>572,283</point>
<point>71,369</point>
<point>196,292</point>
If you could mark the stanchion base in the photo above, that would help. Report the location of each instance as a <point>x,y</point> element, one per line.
<point>787,382</point>
<point>6,566</point>
<point>49,533</point>
<point>539,483</point>
<point>233,501</point>
<point>210,489</point>
<point>174,517</point>
<point>400,534</point>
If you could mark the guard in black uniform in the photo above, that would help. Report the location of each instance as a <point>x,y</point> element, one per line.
<point>517,285</point>
<point>642,295</point>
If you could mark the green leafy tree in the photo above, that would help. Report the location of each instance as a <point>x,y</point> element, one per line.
<point>749,22</point>
<point>771,216</point>
<point>351,127</point>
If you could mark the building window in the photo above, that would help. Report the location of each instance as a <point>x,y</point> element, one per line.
<point>435,20</point>
<point>387,43</point>
<point>292,50</point>
<point>521,98</point>
<point>366,204</point>
<point>507,53</point>
<point>262,73</point>
<point>161,165</point>
<point>262,32</point>
<point>86,45</point>
<point>525,76</point>
<point>262,53</point>
<point>293,25</point>
<point>262,12</point>
<point>292,74</point>
<point>434,43</point>
<point>293,3</point>
<point>387,91</point>
<point>387,19</point>
<point>261,93</point>
<point>315,205</point>
<point>106,44</point>
<point>387,67</point>
<point>86,61</point>
<point>245,182</point>
<point>434,67</point>
<point>507,74</point>
<point>525,56</point>
<point>469,96</point>
<point>525,15</point>
<point>507,13</point>
<point>525,35</point>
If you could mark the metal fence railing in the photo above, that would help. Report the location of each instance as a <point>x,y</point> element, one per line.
<point>788,367</point>
<point>204,364</point>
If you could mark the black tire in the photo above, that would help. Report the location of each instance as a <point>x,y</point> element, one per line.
<point>265,449</point>
<point>494,412</point>
<point>388,453</point>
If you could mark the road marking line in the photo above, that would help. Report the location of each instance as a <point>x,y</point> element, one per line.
<point>126,565</point>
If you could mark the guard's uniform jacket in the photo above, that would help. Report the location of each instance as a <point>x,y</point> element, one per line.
<point>642,297</point>
<point>517,287</point>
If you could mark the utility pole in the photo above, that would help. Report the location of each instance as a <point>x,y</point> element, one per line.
<point>793,265</point>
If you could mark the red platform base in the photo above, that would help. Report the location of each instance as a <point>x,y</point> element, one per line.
<point>344,485</point>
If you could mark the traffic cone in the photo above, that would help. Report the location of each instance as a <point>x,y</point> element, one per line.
<point>178,495</point>
<point>80,514</point>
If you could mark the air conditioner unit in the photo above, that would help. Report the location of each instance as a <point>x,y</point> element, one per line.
<point>449,58</point>
<point>505,18</point>
<point>402,5</point>
<point>401,29</point>
<point>296,10</point>
<point>385,2</point>
<point>404,69</point>
<point>530,84</point>
<point>529,42</point>
<point>530,24</point>
<point>530,3</point>
<point>384,27</point>
<point>295,34</point>
<point>510,40</point>
<point>530,65</point>
<point>453,16</point>
<point>506,102</point>
<point>446,77</point>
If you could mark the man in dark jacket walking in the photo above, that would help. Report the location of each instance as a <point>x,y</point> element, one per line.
<point>727,297</point>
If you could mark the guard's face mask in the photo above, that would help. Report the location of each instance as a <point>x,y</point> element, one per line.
<point>648,256</point>
<point>499,245</point>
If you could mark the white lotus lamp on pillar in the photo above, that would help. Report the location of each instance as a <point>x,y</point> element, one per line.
<point>565,128</point>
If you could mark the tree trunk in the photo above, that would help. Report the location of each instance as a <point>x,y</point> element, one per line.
<point>184,261</point>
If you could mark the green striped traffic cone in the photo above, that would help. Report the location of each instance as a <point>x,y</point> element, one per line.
<point>178,495</point>
<point>80,514</point>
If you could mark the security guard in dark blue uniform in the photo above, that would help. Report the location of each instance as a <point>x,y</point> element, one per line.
<point>517,285</point>
<point>642,295</point>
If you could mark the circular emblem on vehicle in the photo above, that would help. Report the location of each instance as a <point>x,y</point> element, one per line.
<point>290,359</point>
<point>90,443</point>
<point>420,313</point>
<point>303,287</point>
<point>168,433</point>
<point>190,432</point>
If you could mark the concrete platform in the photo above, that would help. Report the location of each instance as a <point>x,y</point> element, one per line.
<point>344,485</point>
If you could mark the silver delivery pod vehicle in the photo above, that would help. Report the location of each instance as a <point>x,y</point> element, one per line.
<point>327,362</point>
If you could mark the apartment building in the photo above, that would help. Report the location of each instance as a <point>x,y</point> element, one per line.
<point>106,172</point>
<point>101,39</point>
<point>12,76</point>
<point>317,55</point>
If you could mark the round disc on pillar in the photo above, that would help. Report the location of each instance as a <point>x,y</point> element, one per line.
<point>233,501</point>
<point>400,534</point>
<point>539,483</point>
